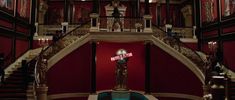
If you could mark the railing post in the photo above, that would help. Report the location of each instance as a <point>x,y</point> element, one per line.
<point>94,22</point>
<point>41,69</point>
<point>41,92</point>
<point>65,26</point>
<point>36,29</point>
<point>147,23</point>
<point>194,32</point>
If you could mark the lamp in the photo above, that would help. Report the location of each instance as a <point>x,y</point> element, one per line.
<point>43,41</point>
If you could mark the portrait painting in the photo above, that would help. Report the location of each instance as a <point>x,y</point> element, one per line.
<point>24,8</point>
<point>7,4</point>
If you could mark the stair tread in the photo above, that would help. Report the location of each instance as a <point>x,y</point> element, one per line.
<point>13,98</point>
<point>12,95</point>
<point>12,90</point>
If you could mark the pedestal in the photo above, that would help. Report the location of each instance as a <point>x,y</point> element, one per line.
<point>147,23</point>
<point>41,92</point>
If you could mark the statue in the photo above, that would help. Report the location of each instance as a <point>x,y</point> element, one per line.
<point>42,11</point>
<point>232,6</point>
<point>41,69</point>
<point>117,24</point>
<point>226,8</point>
<point>121,69</point>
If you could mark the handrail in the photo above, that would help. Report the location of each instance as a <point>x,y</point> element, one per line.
<point>181,47</point>
<point>49,51</point>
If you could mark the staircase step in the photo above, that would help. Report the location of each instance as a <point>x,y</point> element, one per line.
<point>14,95</point>
<point>14,81</point>
<point>19,86</point>
<point>12,90</point>
<point>13,98</point>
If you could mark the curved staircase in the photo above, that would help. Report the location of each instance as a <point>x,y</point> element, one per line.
<point>18,84</point>
<point>15,87</point>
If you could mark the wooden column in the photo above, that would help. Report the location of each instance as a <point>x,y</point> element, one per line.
<point>93,67</point>
<point>146,5</point>
<point>198,23</point>
<point>168,12</point>
<point>147,67</point>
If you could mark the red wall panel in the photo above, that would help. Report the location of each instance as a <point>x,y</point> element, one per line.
<point>6,48</point>
<point>229,29</point>
<point>21,47</point>
<point>55,12</point>
<point>192,46</point>
<point>82,11</point>
<point>175,15</point>
<point>5,45</point>
<point>168,75</point>
<point>4,23</point>
<point>228,49</point>
<point>22,29</point>
<point>210,33</point>
<point>72,73</point>
<point>205,48</point>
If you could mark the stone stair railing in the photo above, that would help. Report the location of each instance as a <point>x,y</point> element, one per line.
<point>182,48</point>
<point>49,51</point>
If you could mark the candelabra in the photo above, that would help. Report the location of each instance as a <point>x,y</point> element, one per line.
<point>43,42</point>
<point>212,45</point>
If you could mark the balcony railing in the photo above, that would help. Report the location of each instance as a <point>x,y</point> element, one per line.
<point>121,24</point>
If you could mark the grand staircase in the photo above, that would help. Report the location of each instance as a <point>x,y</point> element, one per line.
<point>16,88</point>
<point>19,81</point>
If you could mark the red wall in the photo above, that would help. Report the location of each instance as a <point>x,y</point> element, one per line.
<point>210,33</point>
<point>72,73</point>
<point>6,48</point>
<point>175,15</point>
<point>5,23</point>
<point>229,29</point>
<point>192,46</point>
<point>168,75</point>
<point>22,29</point>
<point>228,49</point>
<point>105,70</point>
<point>5,45</point>
<point>21,47</point>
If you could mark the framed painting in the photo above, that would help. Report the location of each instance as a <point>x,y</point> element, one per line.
<point>24,9</point>
<point>7,6</point>
<point>227,9</point>
<point>209,11</point>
